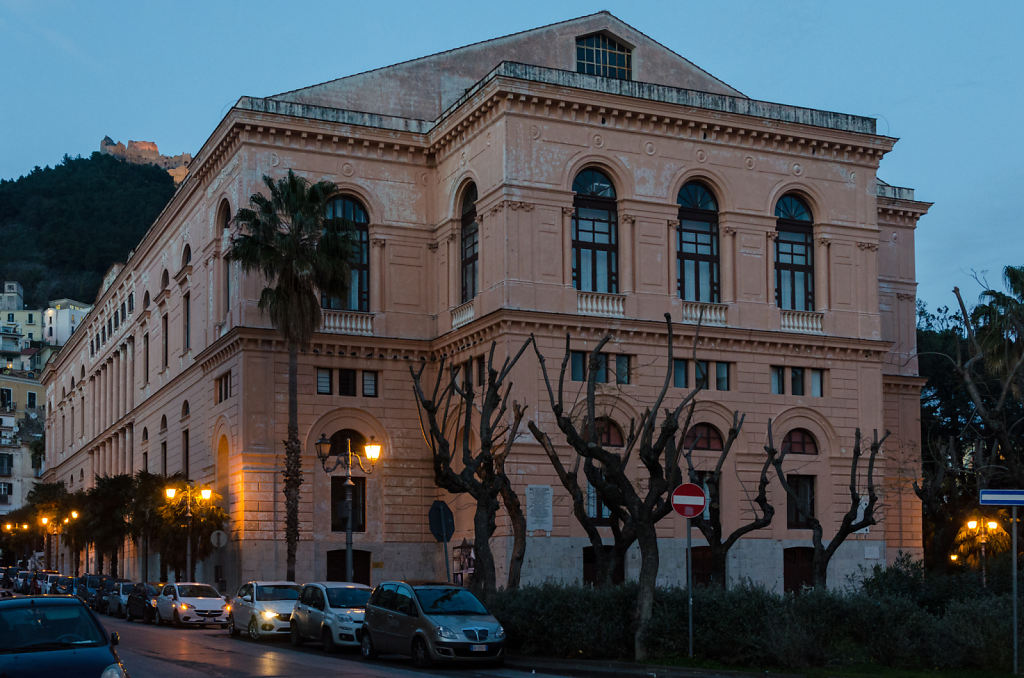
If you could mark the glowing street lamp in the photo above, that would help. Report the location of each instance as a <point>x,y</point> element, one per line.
<point>985,528</point>
<point>190,491</point>
<point>371,452</point>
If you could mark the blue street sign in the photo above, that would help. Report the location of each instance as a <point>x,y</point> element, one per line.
<point>1001,498</point>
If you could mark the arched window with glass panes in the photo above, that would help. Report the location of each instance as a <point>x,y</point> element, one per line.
<point>352,211</point>
<point>794,255</point>
<point>697,260</point>
<point>470,244</point>
<point>595,249</point>
<point>799,441</point>
<point>610,436</point>
<point>703,437</point>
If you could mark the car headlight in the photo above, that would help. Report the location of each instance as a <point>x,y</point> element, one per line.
<point>184,606</point>
<point>346,619</point>
<point>112,671</point>
<point>227,608</point>
<point>152,603</point>
<point>446,633</point>
<point>269,614</point>
<point>500,633</point>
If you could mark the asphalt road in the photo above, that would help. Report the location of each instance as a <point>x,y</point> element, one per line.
<point>165,652</point>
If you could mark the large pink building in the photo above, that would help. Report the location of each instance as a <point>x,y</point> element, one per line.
<point>578,177</point>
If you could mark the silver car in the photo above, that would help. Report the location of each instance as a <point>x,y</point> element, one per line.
<point>430,622</point>
<point>263,608</point>
<point>331,612</point>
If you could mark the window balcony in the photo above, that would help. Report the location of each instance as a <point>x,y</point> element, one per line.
<point>704,313</point>
<point>599,304</point>
<point>346,322</point>
<point>463,314</point>
<point>802,321</point>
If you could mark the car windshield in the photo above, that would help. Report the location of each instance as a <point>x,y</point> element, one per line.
<point>152,590</point>
<point>31,628</point>
<point>344,596</point>
<point>277,592</point>
<point>197,591</point>
<point>445,600</point>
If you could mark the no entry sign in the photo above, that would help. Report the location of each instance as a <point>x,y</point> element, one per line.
<point>688,500</point>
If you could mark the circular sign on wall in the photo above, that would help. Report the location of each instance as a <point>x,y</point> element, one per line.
<point>219,538</point>
<point>688,500</point>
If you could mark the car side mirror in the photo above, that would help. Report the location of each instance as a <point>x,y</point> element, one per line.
<point>247,599</point>
<point>114,638</point>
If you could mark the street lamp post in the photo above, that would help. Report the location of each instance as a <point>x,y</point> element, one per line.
<point>190,489</point>
<point>985,527</point>
<point>323,452</point>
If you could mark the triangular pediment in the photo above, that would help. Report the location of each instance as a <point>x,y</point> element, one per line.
<point>423,88</point>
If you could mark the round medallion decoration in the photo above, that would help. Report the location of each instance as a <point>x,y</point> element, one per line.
<point>650,148</point>
<point>797,169</point>
<point>424,178</point>
<point>748,162</point>
<point>534,132</point>
<point>702,155</point>
<point>347,169</point>
<point>275,159</point>
<point>598,141</point>
<point>462,159</point>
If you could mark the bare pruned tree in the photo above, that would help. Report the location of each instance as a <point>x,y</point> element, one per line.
<point>641,502</point>
<point>711,527</point>
<point>447,416</point>
<point>850,523</point>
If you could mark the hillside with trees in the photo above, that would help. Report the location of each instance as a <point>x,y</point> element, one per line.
<point>62,227</point>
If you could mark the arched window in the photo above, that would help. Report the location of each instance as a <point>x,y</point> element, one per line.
<point>799,441</point>
<point>703,437</point>
<point>224,221</point>
<point>165,280</point>
<point>145,300</point>
<point>697,276</point>
<point>354,214</point>
<point>145,434</point>
<point>163,422</point>
<point>595,262</point>
<point>609,432</point>
<point>186,256</point>
<point>470,244</point>
<point>184,409</point>
<point>794,255</point>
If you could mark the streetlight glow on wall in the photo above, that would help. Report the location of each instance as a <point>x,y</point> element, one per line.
<point>371,452</point>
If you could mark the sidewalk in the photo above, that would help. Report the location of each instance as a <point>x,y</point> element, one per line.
<point>591,667</point>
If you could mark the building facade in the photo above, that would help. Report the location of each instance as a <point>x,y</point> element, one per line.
<point>22,418</point>
<point>579,179</point>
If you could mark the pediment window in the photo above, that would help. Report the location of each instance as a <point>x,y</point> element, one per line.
<point>601,54</point>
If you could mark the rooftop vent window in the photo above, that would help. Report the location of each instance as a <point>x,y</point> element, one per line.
<point>601,55</point>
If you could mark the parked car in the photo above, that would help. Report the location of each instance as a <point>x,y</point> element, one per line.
<point>89,586</point>
<point>263,608</point>
<point>191,603</point>
<point>106,588</point>
<point>63,586</point>
<point>22,581</point>
<point>50,578</point>
<point>331,612</point>
<point>430,622</point>
<point>117,598</point>
<point>55,636</point>
<point>141,603</point>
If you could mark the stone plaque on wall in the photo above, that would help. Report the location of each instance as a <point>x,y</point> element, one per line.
<point>538,508</point>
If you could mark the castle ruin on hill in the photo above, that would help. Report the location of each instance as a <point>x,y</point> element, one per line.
<point>147,153</point>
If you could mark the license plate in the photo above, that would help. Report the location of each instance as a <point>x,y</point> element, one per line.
<point>478,648</point>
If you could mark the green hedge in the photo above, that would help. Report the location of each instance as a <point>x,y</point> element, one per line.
<point>751,627</point>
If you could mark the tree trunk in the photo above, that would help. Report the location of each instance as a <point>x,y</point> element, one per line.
<point>113,563</point>
<point>518,520</point>
<point>483,528</point>
<point>647,540</point>
<point>820,566</point>
<point>718,562</point>
<point>292,464</point>
<point>163,569</point>
<point>145,557</point>
<point>99,561</point>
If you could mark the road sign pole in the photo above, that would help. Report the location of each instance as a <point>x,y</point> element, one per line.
<point>689,583</point>
<point>1016,641</point>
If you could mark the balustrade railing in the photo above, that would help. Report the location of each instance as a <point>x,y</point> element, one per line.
<point>346,322</point>
<point>714,314</point>
<point>802,321</point>
<point>597,303</point>
<point>463,314</point>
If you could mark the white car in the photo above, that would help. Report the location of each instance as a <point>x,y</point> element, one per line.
<point>191,603</point>
<point>117,600</point>
<point>263,608</point>
<point>331,612</point>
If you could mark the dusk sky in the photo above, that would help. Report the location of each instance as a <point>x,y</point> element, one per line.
<point>931,72</point>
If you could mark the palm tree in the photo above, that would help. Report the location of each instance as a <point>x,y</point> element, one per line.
<point>999,322</point>
<point>287,237</point>
<point>107,516</point>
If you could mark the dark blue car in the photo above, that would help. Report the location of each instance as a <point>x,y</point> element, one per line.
<point>55,636</point>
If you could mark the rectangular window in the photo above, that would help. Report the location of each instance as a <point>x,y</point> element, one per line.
<point>579,365</point>
<point>700,373</point>
<point>680,373</point>
<point>706,479</point>
<point>186,322</point>
<point>163,458</point>
<point>184,453</point>
<point>622,369</point>
<point>796,380</point>
<point>31,399</point>
<point>6,399</point>
<point>223,387</point>
<point>800,510</point>
<point>347,382</point>
<point>601,55</point>
<point>794,269</point>
<point>30,321</point>
<point>131,302</point>
<point>10,317</point>
<point>115,319</point>
<point>122,311</point>
<point>145,462</point>
<point>597,511</point>
<point>145,358</point>
<point>601,373</point>
<point>722,376</point>
<point>817,383</point>
<point>163,334</point>
<point>323,381</point>
<point>481,371</point>
<point>6,463</point>
<point>369,384</point>
<point>339,517</point>
<point>778,380</point>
